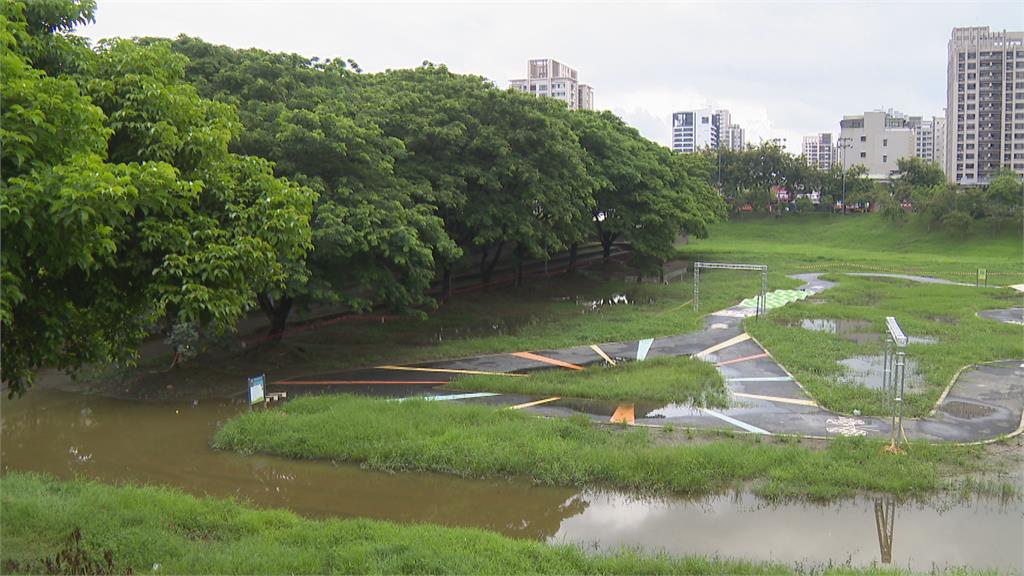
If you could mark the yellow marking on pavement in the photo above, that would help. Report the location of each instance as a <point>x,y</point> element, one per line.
<point>776,399</point>
<point>623,414</point>
<point>743,359</point>
<point>722,345</point>
<point>534,403</point>
<point>601,353</point>
<point>687,303</point>
<point>447,370</point>
<point>546,360</point>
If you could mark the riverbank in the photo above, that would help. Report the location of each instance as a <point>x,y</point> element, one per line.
<point>158,530</point>
<point>481,441</point>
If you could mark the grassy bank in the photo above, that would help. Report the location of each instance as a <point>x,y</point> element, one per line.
<point>864,242</point>
<point>146,529</point>
<point>945,313</point>
<point>660,380</point>
<point>481,441</point>
<point>546,313</point>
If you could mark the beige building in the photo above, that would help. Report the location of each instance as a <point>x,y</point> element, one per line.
<point>551,78</point>
<point>984,104</point>
<point>730,135</point>
<point>819,151</point>
<point>877,140</point>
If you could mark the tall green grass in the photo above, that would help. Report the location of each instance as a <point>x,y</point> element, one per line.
<point>664,380</point>
<point>149,529</point>
<point>482,441</point>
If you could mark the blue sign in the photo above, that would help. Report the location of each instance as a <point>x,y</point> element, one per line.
<point>256,391</point>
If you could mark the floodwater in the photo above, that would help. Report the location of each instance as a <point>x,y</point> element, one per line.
<point>70,436</point>
<point>869,371</point>
<point>852,330</point>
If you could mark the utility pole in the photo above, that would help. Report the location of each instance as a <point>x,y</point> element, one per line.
<point>844,144</point>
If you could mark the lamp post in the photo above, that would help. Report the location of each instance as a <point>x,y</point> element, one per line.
<point>844,143</point>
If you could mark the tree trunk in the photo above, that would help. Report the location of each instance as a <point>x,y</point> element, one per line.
<point>485,274</point>
<point>446,283</point>
<point>572,257</point>
<point>519,265</point>
<point>278,312</point>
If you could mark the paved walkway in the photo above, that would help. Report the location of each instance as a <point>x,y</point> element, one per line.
<point>986,402</point>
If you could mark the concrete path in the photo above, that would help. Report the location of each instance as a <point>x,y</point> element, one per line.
<point>1006,315</point>
<point>911,277</point>
<point>986,401</point>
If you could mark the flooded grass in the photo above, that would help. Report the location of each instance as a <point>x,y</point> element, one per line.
<point>481,441</point>
<point>659,380</point>
<point>946,335</point>
<point>150,529</point>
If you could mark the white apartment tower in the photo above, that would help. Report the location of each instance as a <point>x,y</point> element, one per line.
<point>819,151</point>
<point>877,140</point>
<point>984,104</point>
<point>693,130</point>
<point>551,78</point>
<point>730,136</point>
<point>930,141</point>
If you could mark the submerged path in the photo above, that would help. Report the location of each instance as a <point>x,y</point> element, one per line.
<point>985,402</point>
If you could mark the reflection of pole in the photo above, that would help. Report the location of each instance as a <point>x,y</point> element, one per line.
<point>885,516</point>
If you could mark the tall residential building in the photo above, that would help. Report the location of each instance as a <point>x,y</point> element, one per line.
<point>730,136</point>
<point>819,151</point>
<point>693,130</point>
<point>984,104</point>
<point>930,141</point>
<point>877,140</point>
<point>551,78</point>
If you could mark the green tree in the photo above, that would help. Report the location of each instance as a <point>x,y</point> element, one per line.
<point>1005,195</point>
<point>119,215</point>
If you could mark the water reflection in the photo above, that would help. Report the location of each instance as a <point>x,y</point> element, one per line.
<point>885,518</point>
<point>68,435</point>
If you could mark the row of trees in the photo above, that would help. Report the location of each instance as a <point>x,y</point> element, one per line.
<point>149,182</point>
<point>923,187</point>
<point>748,177</point>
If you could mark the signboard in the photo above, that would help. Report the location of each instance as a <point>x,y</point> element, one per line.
<point>982,277</point>
<point>256,390</point>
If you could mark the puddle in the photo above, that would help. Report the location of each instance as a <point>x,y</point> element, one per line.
<point>852,330</point>
<point>966,410</point>
<point>868,371</point>
<point>69,435</point>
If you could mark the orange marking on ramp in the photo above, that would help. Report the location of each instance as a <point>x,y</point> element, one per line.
<point>743,359</point>
<point>333,382</point>
<point>546,360</point>
<point>623,414</point>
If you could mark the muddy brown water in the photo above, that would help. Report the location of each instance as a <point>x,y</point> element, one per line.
<point>70,435</point>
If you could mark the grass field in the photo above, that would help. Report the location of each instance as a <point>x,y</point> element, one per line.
<point>660,380</point>
<point>860,243</point>
<point>157,530</point>
<point>945,313</point>
<point>864,242</point>
<point>484,441</point>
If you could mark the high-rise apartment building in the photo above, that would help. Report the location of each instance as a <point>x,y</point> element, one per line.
<point>984,104</point>
<point>877,140</point>
<point>930,141</point>
<point>730,136</point>
<point>693,130</point>
<point>819,151</point>
<point>551,78</point>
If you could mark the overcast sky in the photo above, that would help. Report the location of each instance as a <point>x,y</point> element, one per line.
<point>782,69</point>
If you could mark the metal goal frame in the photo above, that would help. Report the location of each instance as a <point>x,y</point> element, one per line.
<point>762,268</point>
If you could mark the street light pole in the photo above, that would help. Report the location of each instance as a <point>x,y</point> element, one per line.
<point>843,143</point>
